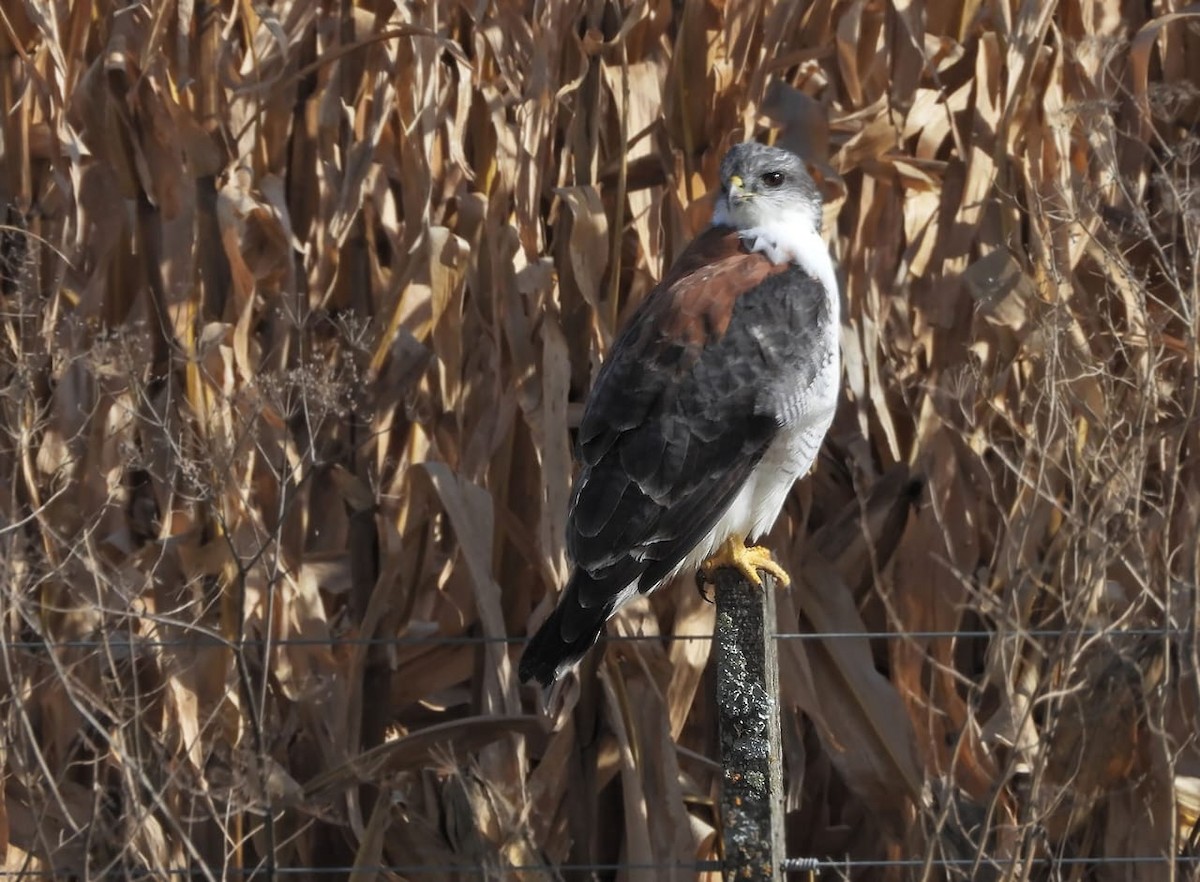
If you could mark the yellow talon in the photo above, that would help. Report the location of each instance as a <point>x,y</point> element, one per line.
<point>746,560</point>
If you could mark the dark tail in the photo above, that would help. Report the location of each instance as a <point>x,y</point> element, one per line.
<point>563,639</point>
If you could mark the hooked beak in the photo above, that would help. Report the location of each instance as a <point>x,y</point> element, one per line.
<point>737,191</point>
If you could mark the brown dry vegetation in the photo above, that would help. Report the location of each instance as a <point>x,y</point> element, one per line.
<point>299,306</point>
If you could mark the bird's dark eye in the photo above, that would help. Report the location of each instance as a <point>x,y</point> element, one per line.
<point>773,179</point>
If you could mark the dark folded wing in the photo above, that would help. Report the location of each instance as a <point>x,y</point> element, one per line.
<point>682,411</point>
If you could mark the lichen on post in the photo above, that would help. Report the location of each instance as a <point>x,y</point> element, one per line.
<point>748,713</point>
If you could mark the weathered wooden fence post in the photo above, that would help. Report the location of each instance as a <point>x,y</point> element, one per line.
<point>748,709</point>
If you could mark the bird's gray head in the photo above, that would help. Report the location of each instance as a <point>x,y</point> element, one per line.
<point>761,185</point>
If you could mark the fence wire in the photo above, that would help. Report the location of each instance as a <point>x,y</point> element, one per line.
<point>791,865</point>
<point>118,641</point>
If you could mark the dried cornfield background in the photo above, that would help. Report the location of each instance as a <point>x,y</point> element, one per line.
<point>299,306</point>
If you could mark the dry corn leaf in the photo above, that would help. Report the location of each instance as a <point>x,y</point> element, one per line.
<point>863,722</point>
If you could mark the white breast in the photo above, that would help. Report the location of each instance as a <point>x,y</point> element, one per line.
<point>790,456</point>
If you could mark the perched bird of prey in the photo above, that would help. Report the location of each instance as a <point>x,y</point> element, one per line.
<point>714,399</point>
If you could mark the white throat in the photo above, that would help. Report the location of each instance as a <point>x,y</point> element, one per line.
<point>790,236</point>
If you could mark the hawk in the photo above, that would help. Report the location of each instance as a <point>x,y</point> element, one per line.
<point>714,399</point>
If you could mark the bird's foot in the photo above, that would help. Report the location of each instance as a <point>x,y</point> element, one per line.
<point>765,243</point>
<point>746,560</point>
